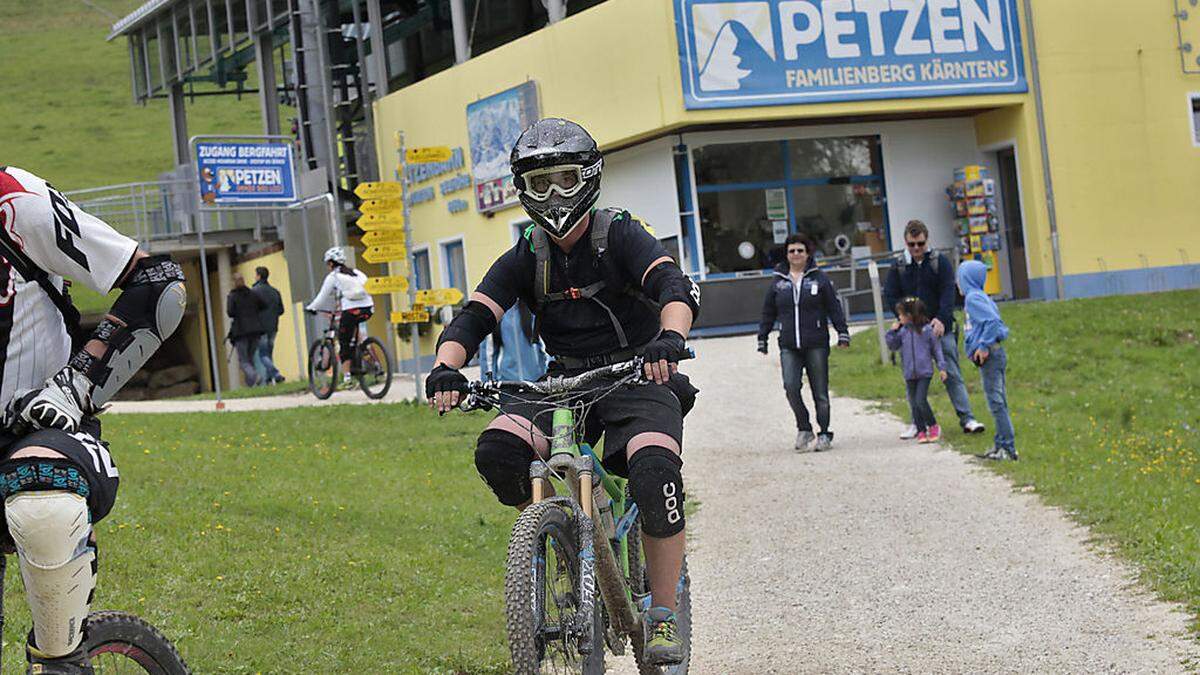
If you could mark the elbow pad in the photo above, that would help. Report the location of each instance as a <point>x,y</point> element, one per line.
<point>470,327</point>
<point>151,306</point>
<point>665,282</point>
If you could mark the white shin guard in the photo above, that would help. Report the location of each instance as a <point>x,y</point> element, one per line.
<point>51,530</point>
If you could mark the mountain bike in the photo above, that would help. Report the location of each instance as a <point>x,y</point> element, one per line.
<point>370,364</point>
<point>118,642</point>
<point>576,581</point>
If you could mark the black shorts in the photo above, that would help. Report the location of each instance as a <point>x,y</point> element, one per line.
<point>620,415</point>
<point>89,468</point>
<point>347,324</point>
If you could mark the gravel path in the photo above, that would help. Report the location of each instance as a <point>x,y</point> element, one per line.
<point>884,555</point>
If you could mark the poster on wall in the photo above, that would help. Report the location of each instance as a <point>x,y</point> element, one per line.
<point>736,53</point>
<point>233,173</point>
<point>493,126</point>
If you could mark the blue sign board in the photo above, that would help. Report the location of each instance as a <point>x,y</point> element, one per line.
<point>738,53</point>
<point>233,173</point>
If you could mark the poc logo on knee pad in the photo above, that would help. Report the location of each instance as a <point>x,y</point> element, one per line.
<point>672,503</point>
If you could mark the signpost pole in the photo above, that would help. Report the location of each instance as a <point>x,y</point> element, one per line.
<point>412,269</point>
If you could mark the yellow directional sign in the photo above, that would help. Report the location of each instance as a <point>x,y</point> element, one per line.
<point>378,254</point>
<point>437,153</point>
<point>410,317</point>
<point>389,235</point>
<point>381,205</point>
<point>439,296</point>
<point>387,189</point>
<point>393,220</point>
<point>380,285</point>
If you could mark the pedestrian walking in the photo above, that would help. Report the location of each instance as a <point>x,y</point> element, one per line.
<point>927,275</point>
<point>804,302</point>
<point>244,307</point>
<point>264,355</point>
<point>912,336</point>
<point>984,331</point>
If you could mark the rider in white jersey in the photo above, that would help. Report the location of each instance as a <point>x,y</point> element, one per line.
<point>344,290</point>
<point>57,477</point>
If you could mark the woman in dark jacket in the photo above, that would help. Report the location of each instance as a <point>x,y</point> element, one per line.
<point>804,302</point>
<point>244,307</point>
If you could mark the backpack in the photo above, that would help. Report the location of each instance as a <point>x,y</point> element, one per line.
<point>539,241</point>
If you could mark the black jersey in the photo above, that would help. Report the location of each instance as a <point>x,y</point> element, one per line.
<point>583,327</point>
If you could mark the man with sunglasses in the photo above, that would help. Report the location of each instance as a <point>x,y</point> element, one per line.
<point>930,277</point>
<point>604,290</point>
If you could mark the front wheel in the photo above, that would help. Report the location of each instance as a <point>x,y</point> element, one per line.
<point>322,369</point>
<point>375,368</point>
<point>122,643</point>
<point>541,596</point>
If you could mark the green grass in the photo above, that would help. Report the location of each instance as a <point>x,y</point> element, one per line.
<point>1105,400</point>
<point>68,111</point>
<point>284,389</point>
<point>319,540</point>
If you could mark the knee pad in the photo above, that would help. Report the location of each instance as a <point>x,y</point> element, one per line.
<point>503,460</point>
<point>58,564</point>
<point>656,483</point>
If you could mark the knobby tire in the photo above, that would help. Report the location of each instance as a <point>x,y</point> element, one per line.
<point>116,641</point>
<point>526,599</point>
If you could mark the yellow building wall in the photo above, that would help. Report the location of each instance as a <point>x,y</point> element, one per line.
<point>623,88</point>
<point>1123,162</point>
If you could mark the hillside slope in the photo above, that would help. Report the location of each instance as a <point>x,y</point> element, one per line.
<point>67,104</point>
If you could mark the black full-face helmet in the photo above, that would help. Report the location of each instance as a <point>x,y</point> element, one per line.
<point>556,169</point>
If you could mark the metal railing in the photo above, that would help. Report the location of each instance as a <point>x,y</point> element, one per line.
<point>165,209</point>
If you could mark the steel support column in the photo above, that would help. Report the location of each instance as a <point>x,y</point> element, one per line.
<point>179,131</point>
<point>378,48</point>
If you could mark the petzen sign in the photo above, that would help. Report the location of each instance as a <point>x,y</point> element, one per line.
<point>779,52</point>
<point>245,172</point>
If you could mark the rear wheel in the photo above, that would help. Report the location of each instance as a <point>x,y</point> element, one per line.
<point>541,596</point>
<point>322,369</point>
<point>639,583</point>
<point>375,368</point>
<point>122,643</point>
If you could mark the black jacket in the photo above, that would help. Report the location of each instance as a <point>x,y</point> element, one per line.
<point>243,306</point>
<point>936,289</point>
<point>272,305</point>
<point>803,317</point>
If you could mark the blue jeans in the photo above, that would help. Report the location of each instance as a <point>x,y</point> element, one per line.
<point>955,386</point>
<point>816,362</point>
<point>993,371</point>
<point>264,363</point>
<point>918,403</point>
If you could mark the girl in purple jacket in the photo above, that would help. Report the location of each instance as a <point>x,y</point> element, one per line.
<point>919,349</point>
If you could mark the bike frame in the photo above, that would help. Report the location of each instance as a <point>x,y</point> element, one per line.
<point>581,468</point>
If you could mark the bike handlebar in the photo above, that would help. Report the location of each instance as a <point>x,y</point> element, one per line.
<point>479,391</point>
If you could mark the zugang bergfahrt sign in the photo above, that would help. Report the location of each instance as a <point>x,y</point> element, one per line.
<point>245,172</point>
<point>778,52</point>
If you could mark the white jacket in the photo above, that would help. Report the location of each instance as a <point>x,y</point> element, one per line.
<point>346,291</point>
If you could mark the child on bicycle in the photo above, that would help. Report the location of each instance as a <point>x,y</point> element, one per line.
<point>344,289</point>
<point>919,348</point>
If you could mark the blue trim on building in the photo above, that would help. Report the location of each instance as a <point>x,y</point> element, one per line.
<point>683,189</point>
<point>1119,282</point>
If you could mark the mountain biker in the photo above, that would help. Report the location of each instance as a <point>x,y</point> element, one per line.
<point>599,300</point>
<point>344,288</point>
<point>57,477</point>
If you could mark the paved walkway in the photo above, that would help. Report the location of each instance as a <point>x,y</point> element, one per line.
<point>884,555</point>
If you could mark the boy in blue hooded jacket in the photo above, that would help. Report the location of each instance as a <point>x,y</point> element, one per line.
<point>984,330</point>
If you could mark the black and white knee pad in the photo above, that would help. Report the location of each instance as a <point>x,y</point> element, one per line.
<point>656,483</point>
<point>503,460</point>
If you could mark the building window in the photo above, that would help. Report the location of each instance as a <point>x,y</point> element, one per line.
<point>455,265</point>
<point>751,195</point>
<point>421,268</point>
<point>1195,106</point>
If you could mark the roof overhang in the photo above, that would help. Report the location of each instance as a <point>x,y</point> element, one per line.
<point>136,18</point>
